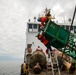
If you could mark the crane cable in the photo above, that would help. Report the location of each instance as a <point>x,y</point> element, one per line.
<point>73,18</point>
<point>70,30</point>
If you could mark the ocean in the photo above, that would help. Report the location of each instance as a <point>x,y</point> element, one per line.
<point>10,67</point>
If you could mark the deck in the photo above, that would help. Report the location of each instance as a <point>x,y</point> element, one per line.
<point>50,73</point>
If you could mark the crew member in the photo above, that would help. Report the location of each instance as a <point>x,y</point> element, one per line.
<point>39,48</point>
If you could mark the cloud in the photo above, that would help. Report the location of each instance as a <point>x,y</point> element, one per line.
<point>12,28</point>
<point>61,10</point>
<point>57,9</point>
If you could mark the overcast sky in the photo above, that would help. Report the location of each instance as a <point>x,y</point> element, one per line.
<point>14,15</point>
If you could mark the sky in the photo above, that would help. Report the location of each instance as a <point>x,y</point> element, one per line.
<point>14,15</point>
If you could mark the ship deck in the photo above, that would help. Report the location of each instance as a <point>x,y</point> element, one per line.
<point>50,73</point>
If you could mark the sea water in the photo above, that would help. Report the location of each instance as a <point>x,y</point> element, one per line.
<point>10,67</point>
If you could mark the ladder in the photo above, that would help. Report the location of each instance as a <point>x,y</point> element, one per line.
<point>54,62</point>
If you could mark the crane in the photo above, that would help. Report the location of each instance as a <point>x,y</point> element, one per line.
<point>57,36</point>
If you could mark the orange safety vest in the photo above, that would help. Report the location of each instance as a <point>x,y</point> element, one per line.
<point>43,39</point>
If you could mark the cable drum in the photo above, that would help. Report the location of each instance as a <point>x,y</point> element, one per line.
<point>38,57</point>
